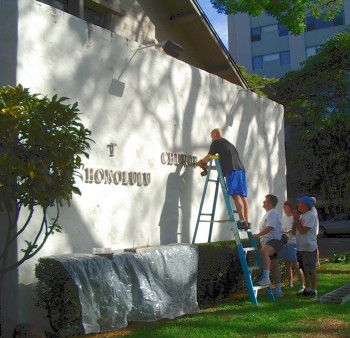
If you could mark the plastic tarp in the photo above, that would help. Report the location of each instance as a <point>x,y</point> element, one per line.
<point>158,282</point>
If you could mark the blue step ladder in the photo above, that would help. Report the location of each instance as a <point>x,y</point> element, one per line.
<point>242,251</point>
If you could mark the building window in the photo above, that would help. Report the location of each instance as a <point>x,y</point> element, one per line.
<point>339,19</point>
<point>255,34</point>
<point>257,63</point>
<point>282,30</point>
<point>271,57</point>
<point>94,17</point>
<point>285,58</point>
<point>313,24</point>
<point>269,28</point>
<point>310,23</point>
<point>282,57</point>
<point>59,4</point>
<point>312,51</point>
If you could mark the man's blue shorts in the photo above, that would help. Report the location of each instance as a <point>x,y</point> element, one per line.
<point>236,183</point>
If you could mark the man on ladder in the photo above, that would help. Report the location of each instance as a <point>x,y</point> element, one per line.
<point>234,172</point>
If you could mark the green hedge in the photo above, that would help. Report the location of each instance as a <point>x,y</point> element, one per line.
<point>57,293</point>
<point>219,274</point>
<point>219,271</point>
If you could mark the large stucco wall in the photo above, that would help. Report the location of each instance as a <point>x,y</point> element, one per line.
<point>146,103</point>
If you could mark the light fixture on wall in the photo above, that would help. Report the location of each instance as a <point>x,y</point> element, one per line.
<point>170,47</point>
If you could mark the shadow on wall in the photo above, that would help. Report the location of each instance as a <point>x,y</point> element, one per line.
<point>170,216</point>
<point>176,213</point>
<point>75,228</point>
<point>186,193</point>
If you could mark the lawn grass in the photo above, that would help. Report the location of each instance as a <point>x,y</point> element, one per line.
<point>290,316</point>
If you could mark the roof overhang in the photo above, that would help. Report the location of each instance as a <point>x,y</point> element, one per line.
<point>213,56</point>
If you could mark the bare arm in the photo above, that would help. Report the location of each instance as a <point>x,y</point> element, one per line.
<point>205,159</point>
<point>263,232</point>
<point>301,228</point>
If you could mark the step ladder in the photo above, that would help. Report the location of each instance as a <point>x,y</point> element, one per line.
<point>242,251</point>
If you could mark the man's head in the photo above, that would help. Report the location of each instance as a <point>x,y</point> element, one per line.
<point>305,204</point>
<point>270,202</point>
<point>216,134</point>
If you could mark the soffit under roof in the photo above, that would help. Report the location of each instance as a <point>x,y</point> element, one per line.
<point>198,36</point>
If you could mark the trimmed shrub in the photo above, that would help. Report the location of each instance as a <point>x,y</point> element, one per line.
<point>57,293</point>
<point>219,271</point>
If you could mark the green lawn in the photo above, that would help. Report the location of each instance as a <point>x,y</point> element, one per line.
<point>290,316</point>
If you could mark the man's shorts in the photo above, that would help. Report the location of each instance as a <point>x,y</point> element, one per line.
<point>288,252</point>
<point>307,260</point>
<point>277,244</point>
<point>236,183</point>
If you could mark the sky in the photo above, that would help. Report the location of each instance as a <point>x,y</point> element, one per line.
<point>217,20</point>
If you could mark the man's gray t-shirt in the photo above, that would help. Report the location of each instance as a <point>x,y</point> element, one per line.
<point>229,158</point>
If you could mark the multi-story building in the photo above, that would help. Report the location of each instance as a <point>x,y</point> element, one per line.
<point>264,46</point>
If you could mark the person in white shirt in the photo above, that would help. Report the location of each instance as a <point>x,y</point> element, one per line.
<point>314,210</point>
<point>305,229</point>
<point>289,252</point>
<point>272,241</point>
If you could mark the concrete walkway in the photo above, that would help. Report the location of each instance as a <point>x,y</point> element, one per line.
<point>338,296</point>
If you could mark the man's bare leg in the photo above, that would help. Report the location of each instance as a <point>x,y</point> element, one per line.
<point>239,206</point>
<point>245,208</point>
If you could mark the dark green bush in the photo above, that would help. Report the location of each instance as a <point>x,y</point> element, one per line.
<point>219,271</point>
<point>57,293</point>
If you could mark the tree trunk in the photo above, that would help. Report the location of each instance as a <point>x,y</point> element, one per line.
<point>8,254</point>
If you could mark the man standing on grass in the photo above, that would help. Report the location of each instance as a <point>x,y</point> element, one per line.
<point>305,229</point>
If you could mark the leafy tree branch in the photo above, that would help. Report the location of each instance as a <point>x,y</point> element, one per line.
<point>291,13</point>
<point>41,144</point>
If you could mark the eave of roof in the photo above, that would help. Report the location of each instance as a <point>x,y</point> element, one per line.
<point>225,53</point>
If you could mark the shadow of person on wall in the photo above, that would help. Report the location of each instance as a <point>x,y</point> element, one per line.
<point>169,218</point>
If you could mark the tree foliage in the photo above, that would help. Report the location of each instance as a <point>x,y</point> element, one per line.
<point>41,144</point>
<point>291,13</point>
<point>260,84</point>
<point>317,104</point>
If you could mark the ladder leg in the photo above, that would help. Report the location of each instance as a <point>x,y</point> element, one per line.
<point>253,293</point>
<point>252,243</point>
<point>202,203</point>
<point>213,211</point>
<point>258,261</point>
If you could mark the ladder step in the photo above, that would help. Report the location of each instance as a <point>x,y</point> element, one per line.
<point>259,287</point>
<point>254,268</point>
<point>216,221</point>
<point>208,221</point>
<point>249,248</point>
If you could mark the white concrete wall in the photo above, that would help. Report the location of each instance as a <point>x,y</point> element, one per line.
<point>146,103</point>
